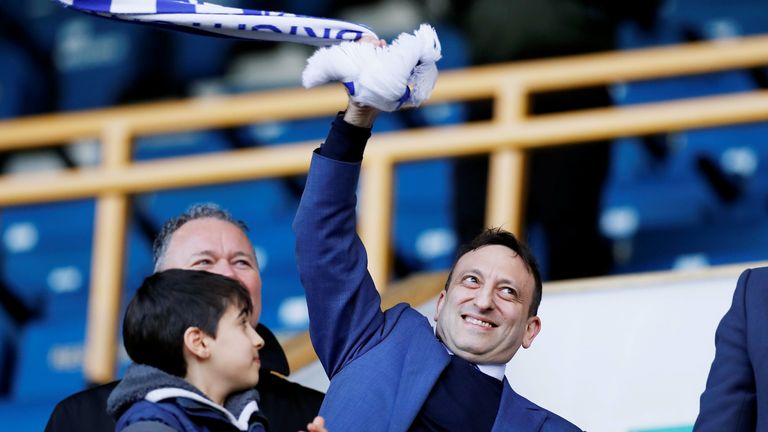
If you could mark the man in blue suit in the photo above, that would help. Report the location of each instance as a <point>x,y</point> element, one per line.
<point>736,396</point>
<point>390,371</point>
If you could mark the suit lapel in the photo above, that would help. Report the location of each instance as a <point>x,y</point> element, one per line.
<point>424,361</point>
<point>517,414</point>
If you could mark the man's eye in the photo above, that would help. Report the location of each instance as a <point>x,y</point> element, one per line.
<point>508,292</point>
<point>244,263</point>
<point>202,262</point>
<point>471,279</point>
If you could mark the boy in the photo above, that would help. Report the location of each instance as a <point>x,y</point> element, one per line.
<point>196,357</point>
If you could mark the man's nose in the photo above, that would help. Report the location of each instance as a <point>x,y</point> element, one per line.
<point>484,297</point>
<point>224,268</point>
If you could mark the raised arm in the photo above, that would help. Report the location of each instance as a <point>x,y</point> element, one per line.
<point>344,306</point>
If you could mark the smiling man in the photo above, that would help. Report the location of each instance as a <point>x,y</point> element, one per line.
<point>488,307</point>
<point>389,370</point>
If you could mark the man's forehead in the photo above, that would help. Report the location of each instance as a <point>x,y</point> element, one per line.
<point>495,257</point>
<point>211,236</point>
<point>487,253</point>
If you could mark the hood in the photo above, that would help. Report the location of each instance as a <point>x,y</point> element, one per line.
<point>141,379</point>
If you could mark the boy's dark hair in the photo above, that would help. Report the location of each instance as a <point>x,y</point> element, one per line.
<point>169,302</point>
<point>498,236</point>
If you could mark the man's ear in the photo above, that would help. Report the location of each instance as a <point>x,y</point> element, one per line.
<point>196,342</point>
<point>532,329</point>
<point>439,307</point>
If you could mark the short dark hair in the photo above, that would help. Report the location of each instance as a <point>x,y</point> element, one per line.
<point>197,211</point>
<point>167,304</point>
<point>498,236</point>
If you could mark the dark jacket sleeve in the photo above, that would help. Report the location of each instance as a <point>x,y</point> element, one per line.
<point>729,400</point>
<point>85,410</point>
<point>288,406</point>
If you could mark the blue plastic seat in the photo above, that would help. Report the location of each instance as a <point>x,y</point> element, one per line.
<point>275,249</point>
<point>254,202</point>
<point>180,144</point>
<point>283,303</point>
<point>29,416</point>
<point>423,228</point>
<point>99,60</point>
<point>717,19</point>
<point>21,91</point>
<point>696,245</point>
<point>50,360</point>
<point>46,247</point>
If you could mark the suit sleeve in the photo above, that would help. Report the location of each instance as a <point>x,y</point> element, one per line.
<point>344,307</point>
<point>729,400</point>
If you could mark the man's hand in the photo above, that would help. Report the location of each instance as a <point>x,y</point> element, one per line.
<point>360,115</point>
<point>357,114</point>
<point>317,425</point>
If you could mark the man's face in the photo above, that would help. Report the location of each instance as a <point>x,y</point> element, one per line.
<point>483,316</point>
<point>216,246</point>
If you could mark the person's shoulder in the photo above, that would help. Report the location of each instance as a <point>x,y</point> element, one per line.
<point>144,415</point>
<point>752,282</point>
<point>274,383</point>
<point>84,409</point>
<point>96,393</point>
<point>757,272</point>
<point>555,423</point>
<point>287,405</point>
<point>552,422</point>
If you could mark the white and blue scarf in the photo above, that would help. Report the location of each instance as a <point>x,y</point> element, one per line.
<point>388,78</point>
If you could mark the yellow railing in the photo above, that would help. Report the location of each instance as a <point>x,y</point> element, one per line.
<point>505,138</point>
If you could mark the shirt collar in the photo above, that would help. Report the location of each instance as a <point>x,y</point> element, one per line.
<point>491,369</point>
<point>494,370</point>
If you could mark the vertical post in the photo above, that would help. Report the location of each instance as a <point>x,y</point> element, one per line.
<point>506,171</point>
<point>375,217</point>
<point>107,263</point>
<point>506,178</point>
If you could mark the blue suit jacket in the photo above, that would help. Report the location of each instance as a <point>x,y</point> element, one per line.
<point>736,396</point>
<point>382,365</point>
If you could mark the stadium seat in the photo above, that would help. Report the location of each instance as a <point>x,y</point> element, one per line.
<point>180,144</point>
<point>698,245</point>
<point>274,243</point>
<point>46,247</point>
<point>283,303</point>
<point>47,251</point>
<point>26,416</point>
<point>50,362</point>
<point>254,201</point>
<point>20,92</point>
<point>423,231</point>
<point>99,61</point>
<point>715,19</point>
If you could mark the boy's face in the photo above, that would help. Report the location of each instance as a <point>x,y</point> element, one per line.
<point>234,353</point>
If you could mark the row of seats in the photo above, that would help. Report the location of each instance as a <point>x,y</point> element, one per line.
<point>679,200</point>
<point>60,252</point>
<point>689,198</point>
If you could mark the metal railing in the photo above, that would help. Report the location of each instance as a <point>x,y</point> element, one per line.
<point>505,138</point>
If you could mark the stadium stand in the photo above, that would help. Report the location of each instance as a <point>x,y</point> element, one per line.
<point>662,186</point>
<point>679,199</point>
